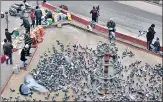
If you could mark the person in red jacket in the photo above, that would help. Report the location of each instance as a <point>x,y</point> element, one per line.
<point>32,16</point>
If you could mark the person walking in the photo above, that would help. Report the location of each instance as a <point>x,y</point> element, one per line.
<point>7,48</point>
<point>25,23</point>
<point>38,15</point>
<point>8,35</point>
<point>94,14</point>
<point>28,42</point>
<point>150,36</point>
<point>32,16</point>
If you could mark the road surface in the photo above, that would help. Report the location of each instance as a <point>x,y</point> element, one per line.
<point>126,17</point>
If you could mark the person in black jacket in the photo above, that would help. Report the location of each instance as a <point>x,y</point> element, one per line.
<point>7,48</point>
<point>8,35</point>
<point>28,42</point>
<point>94,14</point>
<point>23,58</point>
<point>38,15</point>
<point>48,14</point>
<point>26,24</point>
<point>150,36</point>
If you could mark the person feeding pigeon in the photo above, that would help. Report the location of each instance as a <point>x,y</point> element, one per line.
<point>8,35</point>
<point>48,14</point>
<point>25,90</point>
<point>150,36</point>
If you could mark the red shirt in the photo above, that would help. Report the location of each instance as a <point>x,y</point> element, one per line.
<point>32,15</point>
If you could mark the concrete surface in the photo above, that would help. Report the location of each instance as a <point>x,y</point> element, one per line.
<point>68,34</point>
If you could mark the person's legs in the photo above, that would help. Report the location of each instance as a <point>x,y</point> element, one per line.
<point>148,45</point>
<point>36,21</point>
<point>10,40</point>
<point>150,42</point>
<point>95,19</point>
<point>25,64</point>
<point>155,49</point>
<point>28,50</point>
<point>10,57</point>
<point>33,23</point>
<point>39,20</point>
<point>7,59</point>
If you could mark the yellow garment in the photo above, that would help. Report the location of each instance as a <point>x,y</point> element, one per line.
<point>69,16</point>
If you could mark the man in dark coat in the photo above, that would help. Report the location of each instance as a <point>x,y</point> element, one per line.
<point>38,15</point>
<point>94,14</point>
<point>7,48</point>
<point>28,42</point>
<point>8,35</point>
<point>150,36</point>
<point>26,24</point>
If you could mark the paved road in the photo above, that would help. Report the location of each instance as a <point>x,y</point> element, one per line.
<point>126,17</point>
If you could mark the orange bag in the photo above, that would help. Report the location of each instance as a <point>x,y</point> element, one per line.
<point>41,30</point>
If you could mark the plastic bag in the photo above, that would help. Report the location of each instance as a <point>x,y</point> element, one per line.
<point>3,58</point>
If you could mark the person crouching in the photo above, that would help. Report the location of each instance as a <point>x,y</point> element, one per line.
<point>156,45</point>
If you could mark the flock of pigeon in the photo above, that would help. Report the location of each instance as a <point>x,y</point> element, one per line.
<point>74,67</point>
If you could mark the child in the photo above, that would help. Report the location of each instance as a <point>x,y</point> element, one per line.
<point>22,58</point>
<point>32,16</point>
<point>156,45</point>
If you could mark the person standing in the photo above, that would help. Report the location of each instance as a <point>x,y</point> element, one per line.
<point>38,15</point>
<point>8,35</point>
<point>26,24</point>
<point>28,42</point>
<point>7,48</point>
<point>32,16</point>
<point>150,36</point>
<point>23,58</point>
<point>98,12</point>
<point>94,14</point>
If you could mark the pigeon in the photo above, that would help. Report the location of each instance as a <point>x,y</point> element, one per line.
<point>12,90</point>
